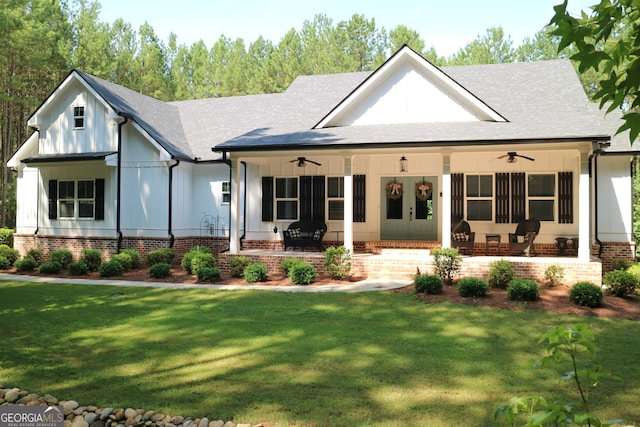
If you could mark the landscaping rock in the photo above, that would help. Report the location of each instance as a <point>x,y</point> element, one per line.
<point>12,395</point>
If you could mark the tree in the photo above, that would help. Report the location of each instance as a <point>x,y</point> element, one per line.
<point>357,44</point>
<point>492,48</point>
<point>91,51</point>
<point>543,46</point>
<point>606,41</point>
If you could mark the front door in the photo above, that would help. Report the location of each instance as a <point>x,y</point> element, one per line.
<point>409,209</point>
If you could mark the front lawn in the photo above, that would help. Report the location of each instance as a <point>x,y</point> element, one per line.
<point>302,358</point>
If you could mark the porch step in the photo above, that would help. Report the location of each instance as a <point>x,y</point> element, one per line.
<point>405,253</point>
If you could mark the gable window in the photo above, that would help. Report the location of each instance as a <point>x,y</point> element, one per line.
<point>286,198</point>
<point>479,197</point>
<point>335,197</point>
<point>541,192</point>
<point>226,192</point>
<point>76,199</point>
<point>78,117</point>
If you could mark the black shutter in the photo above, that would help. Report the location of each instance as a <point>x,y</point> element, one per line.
<point>565,196</point>
<point>99,207</point>
<point>457,197</point>
<point>306,198</point>
<point>53,199</point>
<point>502,198</point>
<point>518,197</point>
<point>267,198</point>
<point>318,193</point>
<point>359,198</point>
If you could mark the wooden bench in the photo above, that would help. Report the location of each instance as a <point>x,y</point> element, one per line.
<point>304,234</point>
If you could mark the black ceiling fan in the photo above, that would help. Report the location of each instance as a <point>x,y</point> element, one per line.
<point>511,157</point>
<point>302,162</point>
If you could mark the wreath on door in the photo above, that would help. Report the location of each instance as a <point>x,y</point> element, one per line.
<point>424,190</point>
<point>394,190</point>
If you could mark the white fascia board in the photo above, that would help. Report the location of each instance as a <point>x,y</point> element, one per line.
<point>24,149</point>
<point>164,154</point>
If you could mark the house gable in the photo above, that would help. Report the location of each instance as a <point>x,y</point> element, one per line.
<point>409,89</point>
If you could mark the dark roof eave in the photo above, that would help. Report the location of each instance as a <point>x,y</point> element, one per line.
<point>70,157</point>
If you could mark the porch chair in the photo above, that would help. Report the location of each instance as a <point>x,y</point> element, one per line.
<point>462,237</point>
<point>521,242</point>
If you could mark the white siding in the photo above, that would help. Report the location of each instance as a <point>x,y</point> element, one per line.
<point>614,201</point>
<point>27,206</point>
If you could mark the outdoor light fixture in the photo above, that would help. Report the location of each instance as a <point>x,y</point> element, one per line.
<point>404,164</point>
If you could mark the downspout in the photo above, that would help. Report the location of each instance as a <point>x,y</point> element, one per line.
<point>594,173</point>
<point>244,203</point>
<point>126,117</point>
<point>172,238</point>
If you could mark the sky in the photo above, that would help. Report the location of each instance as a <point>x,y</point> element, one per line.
<point>446,25</point>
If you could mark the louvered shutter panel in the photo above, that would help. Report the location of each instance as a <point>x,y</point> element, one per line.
<point>318,198</point>
<point>565,196</point>
<point>53,199</point>
<point>457,196</point>
<point>267,198</point>
<point>99,206</point>
<point>502,198</point>
<point>518,197</point>
<point>359,198</point>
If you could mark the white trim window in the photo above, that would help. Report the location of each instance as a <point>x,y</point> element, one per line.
<point>541,196</point>
<point>78,117</point>
<point>286,198</point>
<point>335,197</point>
<point>479,197</point>
<point>76,199</point>
<point>226,192</point>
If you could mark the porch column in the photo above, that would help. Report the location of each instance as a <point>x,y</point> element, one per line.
<point>446,201</point>
<point>348,205</point>
<point>234,206</point>
<point>584,210</point>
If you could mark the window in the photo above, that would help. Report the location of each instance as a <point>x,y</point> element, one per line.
<point>479,197</point>
<point>541,192</point>
<point>335,196</point>
<point>78,117</point>
<point>226,192</point>
<point>76,196</point>
<point>286,198</point>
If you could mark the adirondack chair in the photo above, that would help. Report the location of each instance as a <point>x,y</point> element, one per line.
<point>521,242</point>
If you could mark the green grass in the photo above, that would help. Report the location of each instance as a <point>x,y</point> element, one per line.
<point>303,358</point>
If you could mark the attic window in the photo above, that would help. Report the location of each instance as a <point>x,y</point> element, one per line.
<point>78,117</point>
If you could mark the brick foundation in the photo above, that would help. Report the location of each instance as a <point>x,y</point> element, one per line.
<point>614,250</point>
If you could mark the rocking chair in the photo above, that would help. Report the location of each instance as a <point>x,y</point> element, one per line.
<point>521,242</point>
<point>462,237</point>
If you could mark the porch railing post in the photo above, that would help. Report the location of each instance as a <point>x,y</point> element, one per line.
<point>348,204</point>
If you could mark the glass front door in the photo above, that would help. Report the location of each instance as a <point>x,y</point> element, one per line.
<point>409,209</point>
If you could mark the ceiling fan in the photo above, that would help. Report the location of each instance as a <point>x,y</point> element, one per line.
<point>302,162</point>
<point>511,157</point>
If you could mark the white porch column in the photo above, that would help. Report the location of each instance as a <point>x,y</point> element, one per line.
<point>348,205</point>
<point>584,210</point>
<point>234,216</point>
<point>446,201</point>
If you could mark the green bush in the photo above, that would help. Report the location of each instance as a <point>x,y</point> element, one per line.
<point>337,262</point>
<point>50,267</point>
<point>6,237</point>
<point>587,294</point>
<point>554,274</point>
<point>10,254</point>
<point>63,256</point>
<point>124,259</point>
<point>472,287</point>
<point>188,257</point>
<point>111,268</point>
<point>209,274</point>
<point>523,290</point>
<point>36,255</point>
<point>238,263</point>
<point>302,273</point>
<point>92,258</point>
<point>26,264</point>
<point>428,283</point>
<point>255,272</point>
<point>501,273</point>
<point>635,270</point>
<point>165,255</point>
<point>447,263</point>
<point>620,283</point>
<point>79,268</point>
<point>287,264</point>
<point>136,258</point>
<point>202,260</point>
<point>620,264</point>
<point>160,270</point>
<point>5,264</point>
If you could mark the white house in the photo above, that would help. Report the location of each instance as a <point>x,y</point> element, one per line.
<point>383,158</point>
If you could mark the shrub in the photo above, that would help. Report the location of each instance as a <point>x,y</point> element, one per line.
<point>50,267</point>
<point>447,263</point>
<point>255,272</point>
<point>302,273</point>
<point>6,237</point>
<point>287,264</point>
<point>635,270</point>
<point>238,264</point>
<point>472,287</point>
<point>209,274</point>
<point>124,259</point>
<point>501,273</point>
<point>26,264</point>
<point>36,255</point>
<point>337,262</point>
<point>160,270</point>
<point>63,256</point>
<point>554,274</point>
<point>111,268</point>
<point>620,264</point>
<point>92,258</point>
<point>10,254</point>
<point>79,268</point>
<point>620,283</point>
<point>587,294</point>
<point>4,263</point>
<point>428,283</point>
<point>165,255</point>
<point>202,260</point>
<point>523,290</point>
<point>136,259</point>
<point>188,257</point>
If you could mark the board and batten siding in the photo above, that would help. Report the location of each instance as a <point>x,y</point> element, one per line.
<point>615,209</point>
